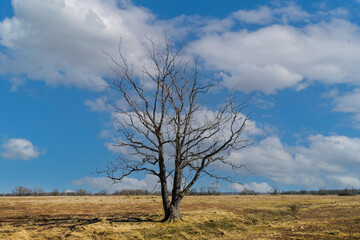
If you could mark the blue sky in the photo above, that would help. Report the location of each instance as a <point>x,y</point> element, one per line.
<point>297,60</point>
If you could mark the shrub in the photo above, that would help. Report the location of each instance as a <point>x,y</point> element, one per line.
<point>347,192</point>
<point>323,192</point>
<point>294,208</point>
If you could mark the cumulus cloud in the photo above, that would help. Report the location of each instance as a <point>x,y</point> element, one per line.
<point>349,103</point>
<point>272,57</point>
<point>102,183</point>
<point>265,14</point>
<point>254,186</point>
<point>114,148</point>
<point>19,149</point>
<point>279,56</point>
<point>318,161</point>
<point>347,181</point>
<point>62,42</point>
<point>319,164</point>
<point>99,105</point>
<point>290,11</point>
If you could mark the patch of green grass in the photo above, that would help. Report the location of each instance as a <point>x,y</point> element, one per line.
<point>294,208</point>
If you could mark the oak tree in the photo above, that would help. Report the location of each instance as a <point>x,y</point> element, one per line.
<point>164,129</point>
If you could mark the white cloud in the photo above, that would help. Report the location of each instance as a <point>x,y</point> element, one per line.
<point>347,181</point>
<point>262,103</point>
<point>216,25</point>
<point>18,149</point>
<point>317,162</point>
<point>265,14</point>
<point>16,83</point>
<point>256,187</point>
<point>336,151</point>
<point>349,103</point>
<point>99,105</point>
<point>62,42</point>
<point>316,165</point>
<point>322,162</point>
<point>102,183</point>
<point>339,12</point>
<point>105,134</point>
<point>114,148</point>
<point>280,56</point>
<point>262,15</point>
<point>331,94</point>
<point>267,59</point>
<point>291,12</point>
<point>268,158</point>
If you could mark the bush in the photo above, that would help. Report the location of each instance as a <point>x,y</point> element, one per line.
<point>294,208</point>
<point>323,192</point>
<point>347,192</point>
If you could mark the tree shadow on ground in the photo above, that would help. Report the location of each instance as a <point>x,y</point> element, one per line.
<point>84,222</point>
<point>71,222</point>
<point>135,218</point>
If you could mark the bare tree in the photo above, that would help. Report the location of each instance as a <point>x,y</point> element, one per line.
<point>164,130</point>
<point>38,191</point>
<point>55,192</point>
<point>22,191</point>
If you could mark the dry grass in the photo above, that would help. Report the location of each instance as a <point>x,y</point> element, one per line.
<point>214,217</point>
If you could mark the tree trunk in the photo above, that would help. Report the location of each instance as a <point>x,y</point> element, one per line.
<point>173,213</point>
<point>164,189</point>
<point>165,200</point>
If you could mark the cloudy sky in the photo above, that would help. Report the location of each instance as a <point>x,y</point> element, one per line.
<point>298,61</point>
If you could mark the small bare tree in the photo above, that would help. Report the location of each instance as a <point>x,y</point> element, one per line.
<point>22,191</point>
<point>38,191</point>
<point>164,129</point>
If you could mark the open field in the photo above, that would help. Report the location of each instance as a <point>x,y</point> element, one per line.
<point>205,217</point>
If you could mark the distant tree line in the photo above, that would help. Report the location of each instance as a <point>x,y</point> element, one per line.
<point>344,192</point>
<point>205,191</point>
<point>38,191</point>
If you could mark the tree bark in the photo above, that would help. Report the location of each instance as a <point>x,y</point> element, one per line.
<point>164,188</point>
<point>165,199</point>
<point>173,213</point>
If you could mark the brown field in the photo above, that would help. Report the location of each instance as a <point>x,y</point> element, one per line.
<point>204,217</point>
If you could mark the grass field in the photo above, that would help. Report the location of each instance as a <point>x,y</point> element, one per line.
<point>204,217</point>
